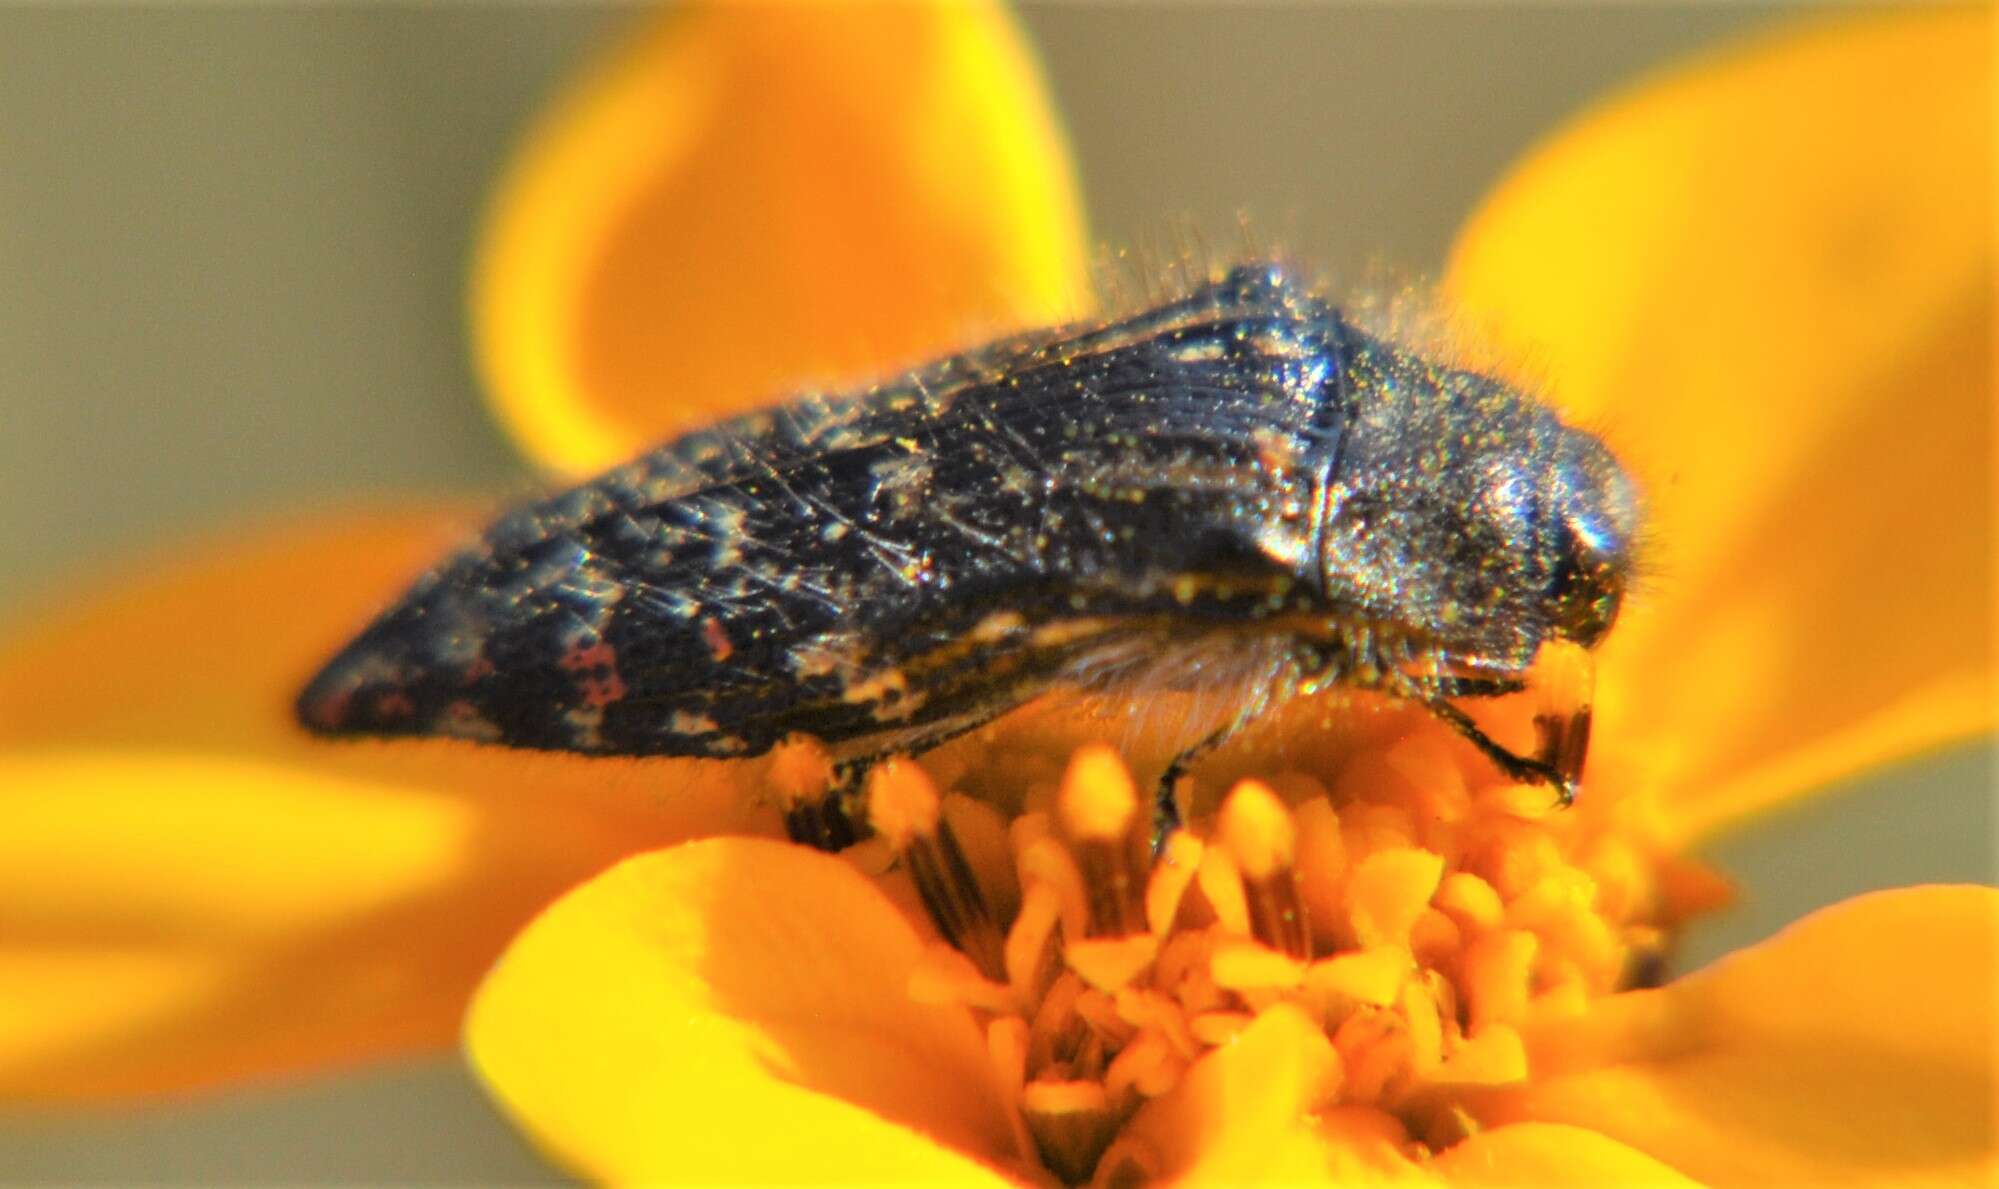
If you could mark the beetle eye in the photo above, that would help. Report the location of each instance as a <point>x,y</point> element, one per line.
<point>1586,587</point>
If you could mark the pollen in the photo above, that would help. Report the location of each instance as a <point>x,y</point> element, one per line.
<point>1416,907</point>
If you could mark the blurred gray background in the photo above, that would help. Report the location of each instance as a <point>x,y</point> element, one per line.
<point>232,249</point>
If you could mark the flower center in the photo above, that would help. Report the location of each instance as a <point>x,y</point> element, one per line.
<point>1420,910</point>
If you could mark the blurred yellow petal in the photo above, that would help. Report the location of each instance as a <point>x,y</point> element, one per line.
<point>1549,1154</point>
<point>1855,1046</point>
<point>1768,278</point>
<point>1245,1113</point>
<point>749,198</point>
<point>168,921</point>
<point>735,1010</point>
<point>1242,1113</point>
<point>206,645</point>
<point>194,892</point>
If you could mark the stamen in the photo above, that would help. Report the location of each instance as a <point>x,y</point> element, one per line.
<point>1261,837</point>
<point>1097,811</point>
<point>1046,863</point>
<point>1447,908</point>
<point>1322,866</point>
<point>1030,945</point>
<point>1177,864</point>
<point>1221,886</point>
<point>905,810</point>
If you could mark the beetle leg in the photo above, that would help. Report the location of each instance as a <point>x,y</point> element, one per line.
<point>1564,683</point>
<point>1165,804</point>
<point>1516,767</point>
<point>1290,680</point>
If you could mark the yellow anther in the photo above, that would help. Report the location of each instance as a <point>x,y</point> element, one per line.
<point>1247,965</point>
<point>1372,976</point>
<point>1111,963</point>
<point>902,803</point>
<point>800,770</point>
<point>1257,830</point>
<point>1388,890</point>
<point>1219,1027</point>
<point>1470,901</point>
<point>1098,800</point>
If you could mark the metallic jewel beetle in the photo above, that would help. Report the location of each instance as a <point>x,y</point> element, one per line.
<point>1238,481</point>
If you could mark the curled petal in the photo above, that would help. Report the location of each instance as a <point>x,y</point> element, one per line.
<point>1767,279</point>
<point>735,1010</point>
<point>1856,1045</point>
<point>747,198</point>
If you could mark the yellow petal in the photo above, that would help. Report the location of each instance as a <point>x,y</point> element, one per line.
<point>1767,278</point>
<point>747,199</point>
<point>194,892</point>
<point>1855,1046</point>
<point>735,1010</point>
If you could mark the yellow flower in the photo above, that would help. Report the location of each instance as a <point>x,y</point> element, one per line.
<point>1374,960</point>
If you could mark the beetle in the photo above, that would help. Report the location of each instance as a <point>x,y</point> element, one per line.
<point>1239,480</point>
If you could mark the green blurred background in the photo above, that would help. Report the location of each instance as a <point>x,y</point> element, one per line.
<point>232,249</point>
